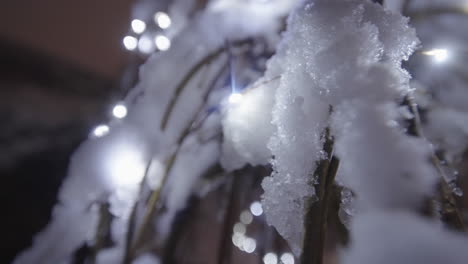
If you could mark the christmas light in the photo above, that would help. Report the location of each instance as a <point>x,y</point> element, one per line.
<point>235,98</point>
<point>270,258</point>
<point>249,245</point>
<point>162,42</point>
<point>130,42</point>
<point>138,26</point>
<point>101,130</point>
<point>162,20</point>
<point>246,217</point>
<point>256,208</point>
<point>126,165</point>
<point>287,258</point>
<point>119,111</point>
<point>145,45</point>
<point>440,55</point>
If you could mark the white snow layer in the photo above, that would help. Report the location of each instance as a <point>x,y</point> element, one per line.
<point>404,238</point>
<point>338,66</point>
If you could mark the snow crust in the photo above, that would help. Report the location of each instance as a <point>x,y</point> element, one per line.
<point>338,66</point>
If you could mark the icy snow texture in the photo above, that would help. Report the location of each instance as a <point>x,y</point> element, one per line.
<point>342,57</point>
<point>403,238</point>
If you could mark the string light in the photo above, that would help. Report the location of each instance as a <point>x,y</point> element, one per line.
<point>101,130</point>
<point>126,165</point>
<point>130,43</point>
<point>235,98</point>
<point>239,228</point>
<point>138,26</point>
<point>249,245</point>
<point>287,258</point>
<point>119,111</point>
<point>162,20</point>
<point>162,42</point>
<point>270,258</point>
<point>440,55</point>
<point>256,208</point>
<point>246,217</point>
<point>146,45</point>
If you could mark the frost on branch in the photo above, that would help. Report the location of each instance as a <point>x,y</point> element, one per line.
<point>338,66</point>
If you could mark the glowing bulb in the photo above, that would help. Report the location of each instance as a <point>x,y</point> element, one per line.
<point>162,42</point>
<point>249,245</point>
<point>246,217</point>
<point>235,98</point>
<point>238,239</point>
<point>145,45</point>
<point>130,42</point>
<point>119,111</point>
<point>256,208</point>
<point>270,258</point>
<point>101,130</point>
<point>162,20</point>
<point>440,55</point>
<point>138,26</point>
<point>239,228</point>
<point>126,165</point>
<point>287,258</point>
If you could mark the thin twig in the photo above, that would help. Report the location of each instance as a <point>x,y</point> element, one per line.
<point>315,222</point>
<point>449,211</point>
<point>151,206</point>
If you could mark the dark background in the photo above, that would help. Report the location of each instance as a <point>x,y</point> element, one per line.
<point>60,68</point>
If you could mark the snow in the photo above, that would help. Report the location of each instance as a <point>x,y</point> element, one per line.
<point>338,66</point>
<point>403,237</point>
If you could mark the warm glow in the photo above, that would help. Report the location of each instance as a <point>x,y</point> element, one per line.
<point>440,55</point>
<point>162,20</point>
<point>119,111</point>
<point>162,42</point>
<point>130,42</point>
<point>138,26</point>
<point>235,98</point>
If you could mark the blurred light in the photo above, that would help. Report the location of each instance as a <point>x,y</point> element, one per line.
<point>249,245</point>
<point>235,98</point>
<point>101,130</point>
<point>270,258</point>
<point>146,45</point>
<point>138,26</point>
<point>256,208</point>
<point>119,111</point>
<point>126,165</point>
<point>130,42</point>
<point>238,239</point>
<point>162,20</point>
<point>287,258</point>
<point>246,217</point>
<point>239,228</point>
<point>440,55</point>
<point>162,42</point>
